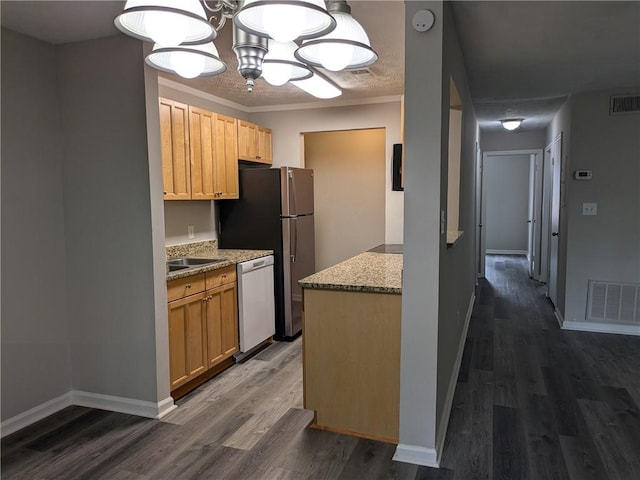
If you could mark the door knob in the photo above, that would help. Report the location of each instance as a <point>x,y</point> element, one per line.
<point>554,234</point>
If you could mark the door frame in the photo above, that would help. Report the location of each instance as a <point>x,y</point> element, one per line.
<point>482,207</point>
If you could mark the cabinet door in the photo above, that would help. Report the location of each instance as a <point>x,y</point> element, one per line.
<point>226,158</point>
<point>202,126</point>
<point>174,136</point>
<point>222,323</point>
<point>187,339</point>
<point>265,147</point>
<point>247,140</point>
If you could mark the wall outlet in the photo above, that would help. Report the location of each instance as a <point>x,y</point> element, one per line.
<point>191,232</point>
<point>589,209</point>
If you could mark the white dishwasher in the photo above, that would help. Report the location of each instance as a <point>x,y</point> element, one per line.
<point>256,309</point>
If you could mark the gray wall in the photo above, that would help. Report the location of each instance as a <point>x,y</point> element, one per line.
<point>438,281</point>
<point>35,337</point>
<point>457,268</point>
<point>561,124</point>
<point>516,140</point>
<point>506,201</point>
<point>109,250</point>
<point>607,246</point>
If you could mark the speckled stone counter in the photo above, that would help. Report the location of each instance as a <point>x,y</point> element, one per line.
<point>367,272</point>
<point>209,249</point>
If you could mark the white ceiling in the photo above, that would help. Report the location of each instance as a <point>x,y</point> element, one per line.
<point>523,57</point>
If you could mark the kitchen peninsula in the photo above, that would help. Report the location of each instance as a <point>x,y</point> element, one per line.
<point>351,345</point>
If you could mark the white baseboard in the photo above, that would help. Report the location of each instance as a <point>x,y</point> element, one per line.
<point>430,457</point>
<point>140,408</point>
<point>602,328</point>
<point>441,434</point>
<point>416,455</point>
<point>493,251</point>
<point>559,317</point>
<point>131,406</point>
<point>35,414</point>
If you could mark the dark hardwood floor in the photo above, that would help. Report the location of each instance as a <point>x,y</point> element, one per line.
<point>532,402</point>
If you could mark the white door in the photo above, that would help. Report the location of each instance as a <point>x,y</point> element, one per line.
<point>545,230</point>
<point>478,214</point>
<point>531,252</point>
<point>554,240</point>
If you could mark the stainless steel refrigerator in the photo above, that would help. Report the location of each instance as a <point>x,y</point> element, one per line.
<point>275,212</point>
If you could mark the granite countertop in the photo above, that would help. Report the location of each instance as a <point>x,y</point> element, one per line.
<point>210,249</point>
<point>368,272</point>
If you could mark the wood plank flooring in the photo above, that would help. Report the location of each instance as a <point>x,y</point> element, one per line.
<point>532,402</point>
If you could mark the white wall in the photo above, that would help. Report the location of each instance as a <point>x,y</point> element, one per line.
<point>516,140</point>
<point>35,336</point>
<point>179,215</point>
<point>349,190</point>
<point>289,125</point>
<point>108,224</point>
<point>607,246</point>
<point>506,202</point>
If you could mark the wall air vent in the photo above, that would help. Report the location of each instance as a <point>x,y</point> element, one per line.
<point>621,104</point>
<point>613,303</point>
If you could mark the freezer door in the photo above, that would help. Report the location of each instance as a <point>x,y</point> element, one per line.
<point>297,191</point>
<point>298,263</point>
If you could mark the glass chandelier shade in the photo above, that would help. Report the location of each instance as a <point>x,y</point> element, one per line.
<point>166,22</point>
<point>319,87</point>
<point>347,46</point>
<point>285,20</point>
<point>188,61</point>
<point>280,66</point>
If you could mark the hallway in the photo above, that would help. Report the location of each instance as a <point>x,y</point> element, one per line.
<point>536,402</point>
<point>532,402</point>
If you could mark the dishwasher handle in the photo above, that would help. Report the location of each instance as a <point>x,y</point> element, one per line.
<point>255,264</point>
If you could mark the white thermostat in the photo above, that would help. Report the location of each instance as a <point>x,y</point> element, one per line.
<point>583,175</point>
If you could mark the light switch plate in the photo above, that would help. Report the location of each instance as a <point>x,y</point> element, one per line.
<point>589,209</point>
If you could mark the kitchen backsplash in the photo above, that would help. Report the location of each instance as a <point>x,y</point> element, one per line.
<point>187,249</point>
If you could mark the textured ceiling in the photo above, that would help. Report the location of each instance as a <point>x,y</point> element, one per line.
<point>523,57</point>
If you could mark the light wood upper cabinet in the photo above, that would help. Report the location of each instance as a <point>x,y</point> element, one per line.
<point>254,143</point>
<point>265,145</point>
<point>174,135</point>
<point>202,133</point>
<point>226,155</point>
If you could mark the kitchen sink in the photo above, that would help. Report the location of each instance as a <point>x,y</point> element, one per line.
<point>175,268</point>
<point>185,262</point>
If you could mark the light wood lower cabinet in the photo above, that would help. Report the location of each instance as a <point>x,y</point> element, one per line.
<point>351,362</point>
<point>187,339</point>
<point>203,324</point>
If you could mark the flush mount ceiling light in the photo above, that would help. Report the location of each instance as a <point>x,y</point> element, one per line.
<point>347,46</point>
<point>183,34</point>
<point>280,65</point>
<point>285,20</point>
<point>512,123</point>
<point>166,22</point>
<point>188,61</point>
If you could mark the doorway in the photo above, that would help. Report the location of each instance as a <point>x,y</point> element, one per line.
<point>510,199</point>
<point>349,191</point>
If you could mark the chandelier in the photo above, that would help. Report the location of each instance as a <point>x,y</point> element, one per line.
<point>277,40</point>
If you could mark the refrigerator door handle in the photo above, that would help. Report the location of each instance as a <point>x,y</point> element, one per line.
<point>292,189</point>
<point>294,241</point>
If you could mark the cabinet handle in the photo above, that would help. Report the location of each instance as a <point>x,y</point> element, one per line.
<point>224,275</point>
<point>188,285</point>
